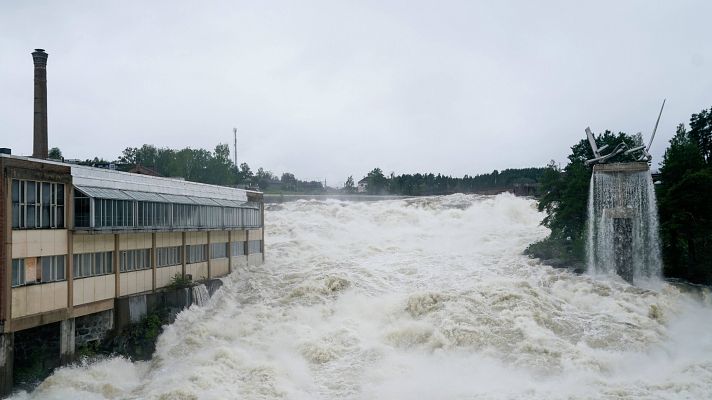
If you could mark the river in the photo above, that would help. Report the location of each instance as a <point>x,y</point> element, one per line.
<point>427,298</point>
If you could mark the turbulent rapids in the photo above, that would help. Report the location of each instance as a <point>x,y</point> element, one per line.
<point>427,298</point>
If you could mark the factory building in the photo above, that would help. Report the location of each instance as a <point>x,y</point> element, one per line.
<point>76,239</point>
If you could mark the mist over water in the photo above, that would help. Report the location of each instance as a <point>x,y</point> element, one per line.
<point>428,298</point>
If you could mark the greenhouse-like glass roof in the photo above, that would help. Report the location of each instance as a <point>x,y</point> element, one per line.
<point>108,184</point>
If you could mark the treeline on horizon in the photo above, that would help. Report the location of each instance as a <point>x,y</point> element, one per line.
<point>216,167</point>
<point>429,184</point>
<point>684,207</point>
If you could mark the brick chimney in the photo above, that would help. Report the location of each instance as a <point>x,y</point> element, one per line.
<point>39,147</point>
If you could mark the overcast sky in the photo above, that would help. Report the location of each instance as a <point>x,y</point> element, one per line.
<point>330,89</point>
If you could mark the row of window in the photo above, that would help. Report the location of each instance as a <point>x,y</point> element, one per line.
<point>38,269</point>
<point>37,204</point>
<point>134,260</point>
<point>145,214</point>
<point>52,268</point>
<point>196,253</point>
<point>93,264</point>
<point>167,256</point>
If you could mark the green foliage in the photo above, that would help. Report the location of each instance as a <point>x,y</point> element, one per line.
<point>138,341</point>
<point>556,252</point>
<point>197,165</point>
<point>377,182</point>
<point>89,350</point>
<point>179,282</point>
<point>264,179</point>
<point>349,186</point>
<point>685,208</point>
<point>431,184</point>
<point>54,153</point>
<point>565,194</point>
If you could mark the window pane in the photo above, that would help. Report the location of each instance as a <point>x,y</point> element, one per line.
<point>30,192</point>
<point>59,267</point>
<point>15,191</point>
<point>15,215</point>
<point>60,217</point>
<point>60,194</point>
<point>46,269</point>
<point>75,266</point>
<point>18,272</point>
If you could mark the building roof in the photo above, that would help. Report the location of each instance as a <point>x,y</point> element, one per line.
<point>105,183</point>
<point>143,170</point>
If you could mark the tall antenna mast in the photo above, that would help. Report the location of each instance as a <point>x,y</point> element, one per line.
<point>234,132</point>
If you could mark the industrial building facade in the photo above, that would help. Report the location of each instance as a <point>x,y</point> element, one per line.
<point>75,238</point>
<point>77,242</point>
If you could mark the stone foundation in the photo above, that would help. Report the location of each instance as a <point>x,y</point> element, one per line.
<point>93,327</point>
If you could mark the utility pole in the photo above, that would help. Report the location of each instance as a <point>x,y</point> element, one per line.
<point>234,132</point>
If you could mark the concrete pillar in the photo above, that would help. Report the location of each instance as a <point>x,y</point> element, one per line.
<point>262,225</point>
<point>117,269</point>
<point>66,341</point>
<point>154,258</point>
<point>184,254</point>
<point>7,347</point>
<point>210,257</point>
<point>623,247</point>
<point>229,251</point>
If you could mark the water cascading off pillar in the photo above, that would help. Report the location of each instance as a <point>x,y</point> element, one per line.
<point>623,222</point>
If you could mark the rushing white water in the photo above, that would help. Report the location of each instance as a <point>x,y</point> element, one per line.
<point>200,295</point>
<point>427,298</point>
<point>630,195</point>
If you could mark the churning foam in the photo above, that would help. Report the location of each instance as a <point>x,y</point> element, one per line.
<point>427,298</point>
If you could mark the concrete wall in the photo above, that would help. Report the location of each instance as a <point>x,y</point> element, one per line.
<point>39,242</point>
<point>239,261</point>
<point>164,275</point>
<point>34,299</point>
<point>92,243</point>
<point>95,288</point>
<point>238,236</point>
<point>168,239</point>
<point>136,282</point>
<point>196,238</point>
<point>199,271</point>
<point>134,241</point>
<point>218,267</point>
<point>218,237</point>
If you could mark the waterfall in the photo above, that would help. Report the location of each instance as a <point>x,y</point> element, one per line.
<point>200,295</point>
<point>137,308</point>
<point>622,227</point>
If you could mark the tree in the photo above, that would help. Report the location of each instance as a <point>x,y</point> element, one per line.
<point>349,186</point>
<point>289,182</point>
<point>565,194</point>
<point>245,174</point>
<point>701,133</point>
<point>377,182</point>
<point>264,178</point>
<point>685,209</point>
<point>55,154</point>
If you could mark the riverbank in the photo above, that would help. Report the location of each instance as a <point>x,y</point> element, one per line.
<point>558,254</point>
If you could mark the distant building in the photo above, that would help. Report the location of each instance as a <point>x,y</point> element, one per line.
<point>362,185</point>
<point>142,170</point>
